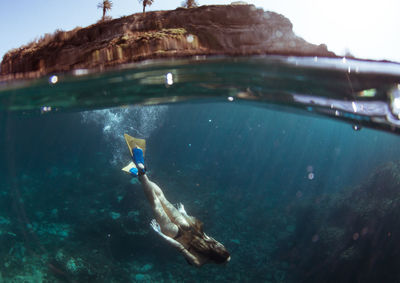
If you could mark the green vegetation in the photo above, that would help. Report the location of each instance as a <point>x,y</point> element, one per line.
<point>171,33</point>
<point>105,5</point>
<point>146,3</point>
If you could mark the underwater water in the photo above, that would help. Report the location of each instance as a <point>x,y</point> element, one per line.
<point>292,163</point>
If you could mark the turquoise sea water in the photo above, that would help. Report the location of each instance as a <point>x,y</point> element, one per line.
<point>292,163</point>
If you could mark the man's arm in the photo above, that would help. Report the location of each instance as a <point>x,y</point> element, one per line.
<point>191,258</point>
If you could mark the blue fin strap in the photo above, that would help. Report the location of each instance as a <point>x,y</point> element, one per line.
<point>138,159</point>
<point>134,171</point>
<point>138,156</point>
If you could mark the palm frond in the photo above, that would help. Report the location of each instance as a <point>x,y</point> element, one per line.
<point>106,4</point>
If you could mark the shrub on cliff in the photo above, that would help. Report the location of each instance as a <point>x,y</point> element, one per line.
<point>189,4</point>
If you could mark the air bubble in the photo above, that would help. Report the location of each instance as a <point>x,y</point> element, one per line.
<point>394,95</point>
<point>354,106</point>
<point>190,38</point>
<point>45,109</point>
<point>53,79</point>
<point>169,79</point>
<point>136,121</point>
<point>278,34</point>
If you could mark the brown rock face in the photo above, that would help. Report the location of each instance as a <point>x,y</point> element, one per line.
<point>207,30</point>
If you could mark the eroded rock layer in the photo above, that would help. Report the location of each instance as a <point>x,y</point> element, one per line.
<point>207,30</point>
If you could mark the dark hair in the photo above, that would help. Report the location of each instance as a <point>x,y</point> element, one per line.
<point>218,253</point>
<point>207,246</point>
<point>210,248</point>
<point>201,243</point>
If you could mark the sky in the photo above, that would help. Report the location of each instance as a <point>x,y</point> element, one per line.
<point>368,29</point>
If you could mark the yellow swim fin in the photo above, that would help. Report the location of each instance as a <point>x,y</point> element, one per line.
<point>135,142</point>
<point>132,143</point>
<point>129,167</point>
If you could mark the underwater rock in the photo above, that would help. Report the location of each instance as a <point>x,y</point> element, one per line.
<point>59,230</point>
<point>134,181</point>
<point>207,30</point>
<point>356,229</point>
<point>71,264</point>
<point>146,268</point>
<point>141,277</point>
<point>115,215</point>
<point>82,264</point>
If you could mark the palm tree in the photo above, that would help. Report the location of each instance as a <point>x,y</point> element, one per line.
<point>146,3</point>
<point>190,4</point>
<point>105,5</point>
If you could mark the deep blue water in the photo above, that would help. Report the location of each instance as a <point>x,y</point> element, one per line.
<point>242,169</point>
<point>263,150</point>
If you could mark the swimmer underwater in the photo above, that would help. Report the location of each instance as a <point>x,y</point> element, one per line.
<point>173,224</point>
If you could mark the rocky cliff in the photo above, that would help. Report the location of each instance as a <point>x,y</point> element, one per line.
<point>207,30</point>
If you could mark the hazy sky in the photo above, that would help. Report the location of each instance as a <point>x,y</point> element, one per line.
<point>368,29</point>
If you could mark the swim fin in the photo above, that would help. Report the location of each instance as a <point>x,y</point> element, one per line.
<point>131,168</point>
<point>137,148</point>
<point>135,142</point>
